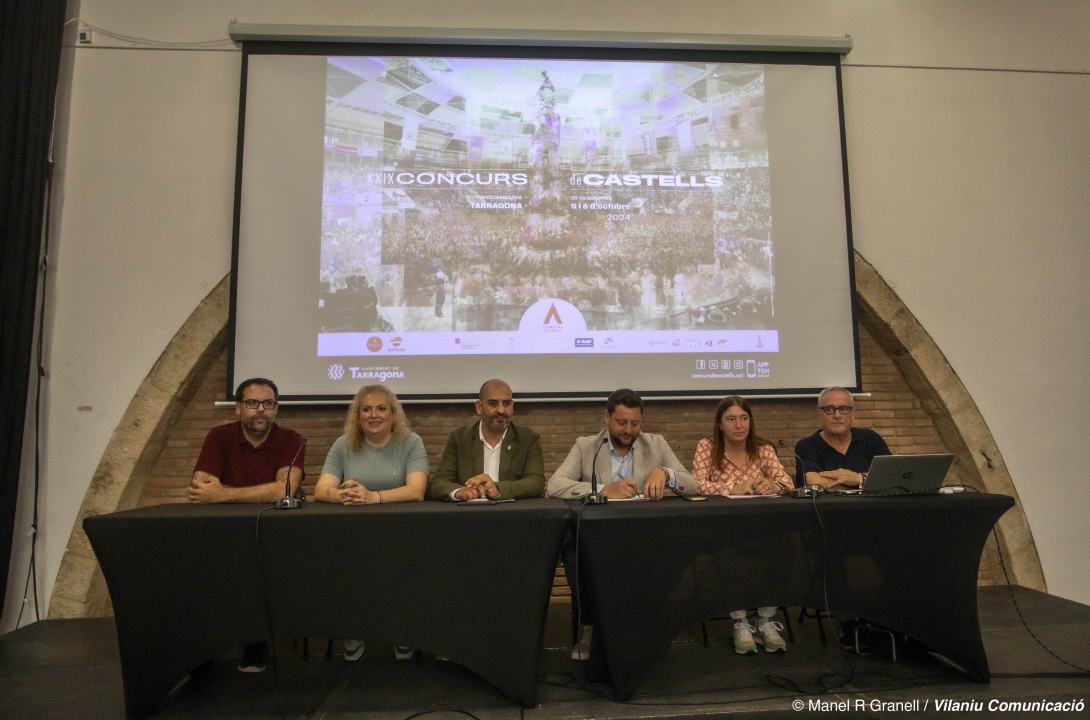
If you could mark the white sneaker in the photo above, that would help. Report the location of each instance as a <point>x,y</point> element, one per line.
<point>403,653</point>
<point>768,636</point>
<point>743,638</point>
<point>581,650</point>
<point>353,649</point>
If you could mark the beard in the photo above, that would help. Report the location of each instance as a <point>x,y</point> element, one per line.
<point>618,443</point>
<point>497,425</point>
<point>255,431</point>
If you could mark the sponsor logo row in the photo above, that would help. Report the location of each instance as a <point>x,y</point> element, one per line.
<point>397,344</point>
<point>374,344</point>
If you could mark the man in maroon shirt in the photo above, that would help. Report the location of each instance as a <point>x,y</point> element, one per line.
<point>248,462</point>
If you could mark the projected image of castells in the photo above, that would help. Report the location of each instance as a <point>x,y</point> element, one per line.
<point>471,195</point>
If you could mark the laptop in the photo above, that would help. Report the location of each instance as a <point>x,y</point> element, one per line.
<point>895,474</point>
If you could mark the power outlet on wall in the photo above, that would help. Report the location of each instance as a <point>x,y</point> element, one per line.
<point>83,34</point>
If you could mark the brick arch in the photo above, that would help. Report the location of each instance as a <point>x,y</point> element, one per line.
<point>917,402</point>
<point>135,447</point>
<point>954,413</point>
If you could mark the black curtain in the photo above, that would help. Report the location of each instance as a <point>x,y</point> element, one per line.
<point>30,50</point>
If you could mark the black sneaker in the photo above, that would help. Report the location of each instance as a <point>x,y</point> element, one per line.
<point>847,633</point>
<point>253,658</point>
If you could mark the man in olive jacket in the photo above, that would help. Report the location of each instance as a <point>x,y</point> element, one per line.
<point>493,457</point>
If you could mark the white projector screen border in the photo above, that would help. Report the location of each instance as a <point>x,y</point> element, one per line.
<point>272,355</point>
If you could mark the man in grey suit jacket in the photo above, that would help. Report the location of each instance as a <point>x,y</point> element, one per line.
<point>633,463</point>
<point>629,463</point>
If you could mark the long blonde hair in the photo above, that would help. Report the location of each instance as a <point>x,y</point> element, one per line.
<point>352,430</point>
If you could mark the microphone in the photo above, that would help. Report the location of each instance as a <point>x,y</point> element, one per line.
<point>288,502</point>
<point>805,490</point>
<point>801,466</point>
<point>595,498</point>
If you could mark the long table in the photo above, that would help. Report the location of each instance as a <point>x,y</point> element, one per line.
<point>910,563</point>
<point>471,583</point>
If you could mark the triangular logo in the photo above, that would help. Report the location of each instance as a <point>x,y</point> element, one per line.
<point>553,314</point>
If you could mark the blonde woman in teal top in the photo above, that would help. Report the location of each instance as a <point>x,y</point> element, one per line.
<point>378,459</point>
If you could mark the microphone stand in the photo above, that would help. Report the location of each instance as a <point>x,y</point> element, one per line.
<point>288,502</point>
<point>806,490</point>
<point>596,498</point>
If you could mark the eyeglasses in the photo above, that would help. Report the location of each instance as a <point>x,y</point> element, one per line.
<point>842,409</point>
<point>253,404</point>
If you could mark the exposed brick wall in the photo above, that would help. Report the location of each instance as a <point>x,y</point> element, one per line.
<point>893,410</point>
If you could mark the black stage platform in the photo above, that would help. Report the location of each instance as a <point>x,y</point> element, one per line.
<point>70,669</point>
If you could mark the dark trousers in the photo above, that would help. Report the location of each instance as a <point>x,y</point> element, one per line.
<point>256,648</point>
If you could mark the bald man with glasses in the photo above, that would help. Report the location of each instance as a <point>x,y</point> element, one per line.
<point>837,456</point>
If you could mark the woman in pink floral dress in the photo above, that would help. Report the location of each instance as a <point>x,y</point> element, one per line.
<point>735,460</point>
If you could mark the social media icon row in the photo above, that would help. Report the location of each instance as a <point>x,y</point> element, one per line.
<point>720,364</point>
<point>750,366</point>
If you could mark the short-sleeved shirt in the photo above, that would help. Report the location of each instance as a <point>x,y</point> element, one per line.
<point>383,469</point>
<point>819,456</point>
<point>229,456</point>
<point>711,480</point>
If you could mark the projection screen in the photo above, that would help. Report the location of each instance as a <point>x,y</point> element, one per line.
<point>571,220</point>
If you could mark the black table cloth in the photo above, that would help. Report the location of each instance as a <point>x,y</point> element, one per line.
<point>653,569</point>
<point>471,583</point>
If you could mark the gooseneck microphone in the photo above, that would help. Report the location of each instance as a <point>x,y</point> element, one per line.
<point>805,490</point>
<point>288,502</point>
<point>802,467</point>
<point>595,498</point>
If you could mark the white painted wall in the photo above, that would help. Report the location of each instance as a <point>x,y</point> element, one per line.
<point>970,195</point>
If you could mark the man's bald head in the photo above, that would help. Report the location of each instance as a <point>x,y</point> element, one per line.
<point>492,384</point>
